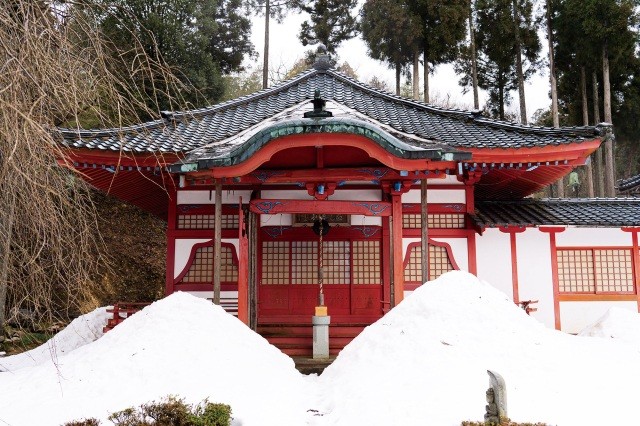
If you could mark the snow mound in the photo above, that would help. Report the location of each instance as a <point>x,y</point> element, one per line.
<point>82,330</point>
<point>616,323</point>
<point>180,345</point>
<point>425,362</point>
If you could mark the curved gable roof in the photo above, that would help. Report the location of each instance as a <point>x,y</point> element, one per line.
<point>182,132</point>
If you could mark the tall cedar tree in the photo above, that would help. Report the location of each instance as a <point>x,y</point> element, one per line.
<point>443,24</point>
<point>497,50</point>
<point>199,39</point>
<point>331,22</point>
<point>391,33</point>
<point>276,9</point>
<point>585,30</point>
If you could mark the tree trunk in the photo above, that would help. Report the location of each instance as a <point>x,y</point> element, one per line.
<point>585,122</point>
<point>416,75</point>
<point>426,76</point>
<point>554,89</point>
<point>599,172</point>
<point>610,167</point>
<point>520,74</point>
<point>265,61</point>
<point>501,100</point>
<point>6,227</point>
<point>398,69</point>
<point>474,60</point>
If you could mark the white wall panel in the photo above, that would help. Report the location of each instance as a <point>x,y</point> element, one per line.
<point>183,248</point>
<point>535,278</point>
<point>581,237</point>
<point>282,219</point>
<point>439,196</point>
<point>574,316</point>
<point>209,197</point>
<point>493,260</point>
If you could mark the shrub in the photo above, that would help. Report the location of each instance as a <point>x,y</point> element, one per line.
<point>506,422</point>
<point>84,422</point>
<point>173,411</point>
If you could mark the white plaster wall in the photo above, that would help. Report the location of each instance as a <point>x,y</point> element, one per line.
<point>209,294</point>
<point>339,194</point>
<point>362,220</point>
<point>448,180</point>
<point>209,197</point>
<point>493,260</point>
<point>282,219</point>
<point>581,237</point>
<point>436,196</point>
<point>574,316</point>
<point>458,249</point>
<point>535,278</point>
<point>183,248</point>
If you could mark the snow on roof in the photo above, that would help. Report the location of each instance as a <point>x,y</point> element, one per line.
<point>82,330</point>
<point>180,345</point>
<point>425,362</point>
<point>617,323</point>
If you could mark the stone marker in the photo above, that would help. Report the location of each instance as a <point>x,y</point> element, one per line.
<point>496,399</point>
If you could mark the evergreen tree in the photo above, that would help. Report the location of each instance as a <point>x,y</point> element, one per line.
<point>443,30</point>
<point>331,22</point>
<point>597,38</point>
<point>199,39</point>
<point>391,33</point>
<point>498,51</point>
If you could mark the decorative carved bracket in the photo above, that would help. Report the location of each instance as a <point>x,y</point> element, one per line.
<point>321,190</point>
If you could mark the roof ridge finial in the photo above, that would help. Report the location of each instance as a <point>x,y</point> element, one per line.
<point>323,60</point>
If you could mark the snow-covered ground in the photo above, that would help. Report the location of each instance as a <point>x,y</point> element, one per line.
<point>425,362</point>
<point>84,329</point>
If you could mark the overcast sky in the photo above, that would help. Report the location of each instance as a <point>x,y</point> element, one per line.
<point>285,48</point>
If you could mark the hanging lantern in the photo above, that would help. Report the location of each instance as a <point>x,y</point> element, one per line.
<point>321,226</point>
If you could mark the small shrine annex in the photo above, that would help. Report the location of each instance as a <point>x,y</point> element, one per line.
<point>323,178</point>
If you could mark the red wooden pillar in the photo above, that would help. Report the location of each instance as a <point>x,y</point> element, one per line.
<point>636,261</point>
<point>398,252</point>
<point>512,231</point>
<point>243,268</point>
<point>171,240</point>
<point>386,268</point>
<point>553,230</point>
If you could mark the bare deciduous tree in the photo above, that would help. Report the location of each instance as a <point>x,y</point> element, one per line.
<point>54,69</point>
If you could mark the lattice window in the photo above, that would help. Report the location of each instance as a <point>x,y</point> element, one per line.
<point>206,221</point>
<point>439,263</point>
<point>436,220</point>
<point>275,262</point>
<point>304,262</point>
<point>336,262</point>
<point>366,262</point>
<point>201,269</point>
<point>595,271</point>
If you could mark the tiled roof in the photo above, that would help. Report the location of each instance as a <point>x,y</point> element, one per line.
<point>596,212</point>
<point>182,132</point>
<point>628,184</point>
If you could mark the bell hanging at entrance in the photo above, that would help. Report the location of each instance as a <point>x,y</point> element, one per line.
<point>321,226</point>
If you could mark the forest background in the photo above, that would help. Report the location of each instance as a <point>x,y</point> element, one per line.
<point>125,61</point>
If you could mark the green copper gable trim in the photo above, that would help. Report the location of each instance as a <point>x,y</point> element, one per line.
<point>390,143</point>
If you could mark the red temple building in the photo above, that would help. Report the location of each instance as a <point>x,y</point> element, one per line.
<point>325,172</point>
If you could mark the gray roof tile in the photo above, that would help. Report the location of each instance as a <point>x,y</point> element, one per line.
<point>592,212</point>
<point>182,132</point>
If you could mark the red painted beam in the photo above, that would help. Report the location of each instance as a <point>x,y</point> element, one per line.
<point>358,174</point>
<point>367,208</point>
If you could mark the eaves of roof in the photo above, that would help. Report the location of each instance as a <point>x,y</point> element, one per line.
<point>183,132</point>
<point>583,212</point>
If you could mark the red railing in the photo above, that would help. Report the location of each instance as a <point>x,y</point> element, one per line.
<point>121,311</point>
